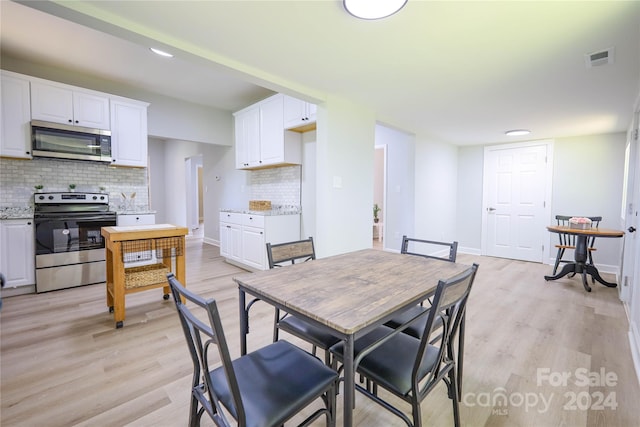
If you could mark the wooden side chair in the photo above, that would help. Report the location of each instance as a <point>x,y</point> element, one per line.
<point>264,388</point>
<point>280,255</point>
<point>568,241</point>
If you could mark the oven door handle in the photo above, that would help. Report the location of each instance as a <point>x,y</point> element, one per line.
<point>82,218</point>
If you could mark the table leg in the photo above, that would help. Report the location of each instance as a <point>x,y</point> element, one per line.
<point>243,323</point>
<point>568,268</point>
<point>349,382</point>
<point>593,271</point>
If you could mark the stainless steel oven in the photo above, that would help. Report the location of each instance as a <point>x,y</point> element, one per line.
<point>69,247</point>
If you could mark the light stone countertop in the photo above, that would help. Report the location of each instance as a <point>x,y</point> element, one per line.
<point>16,213</point>
<point>278,210</point>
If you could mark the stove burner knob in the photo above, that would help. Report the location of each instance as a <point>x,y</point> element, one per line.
<point>41,197</point>
<point>50,197</point>
<point>95,197</point>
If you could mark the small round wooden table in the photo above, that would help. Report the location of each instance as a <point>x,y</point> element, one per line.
<point>580,266</point>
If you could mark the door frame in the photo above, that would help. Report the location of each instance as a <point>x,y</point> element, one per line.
<point>383,147</point>
<point>548,190</point>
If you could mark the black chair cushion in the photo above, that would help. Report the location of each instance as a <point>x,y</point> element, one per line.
<point>416,328</point>
<point>391,364</point>
<point>308,332</point>
<point>274,381</point>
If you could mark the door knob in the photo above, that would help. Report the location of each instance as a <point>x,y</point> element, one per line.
<point>491,209</point>
<point>631,229</point>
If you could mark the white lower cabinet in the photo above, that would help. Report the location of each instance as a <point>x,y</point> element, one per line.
<point>17,252</point>
<point>243,237</point>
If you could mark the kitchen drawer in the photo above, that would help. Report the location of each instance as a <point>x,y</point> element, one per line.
<point>139,219</point>
<point>251,220</point>
<point>231,217</point>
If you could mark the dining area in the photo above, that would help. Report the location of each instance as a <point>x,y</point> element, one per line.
<point>353,296</point>
<point>516,326</point>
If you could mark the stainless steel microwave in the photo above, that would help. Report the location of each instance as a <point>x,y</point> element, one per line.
<point>62,141</point>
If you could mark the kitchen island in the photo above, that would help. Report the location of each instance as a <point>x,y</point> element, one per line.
<point>121,242</point>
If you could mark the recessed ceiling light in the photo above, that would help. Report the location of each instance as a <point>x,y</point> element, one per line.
<point>373,9</point>
<point>517,132</point>
<point>160,52</point>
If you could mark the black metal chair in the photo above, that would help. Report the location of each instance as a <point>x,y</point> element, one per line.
<point>280,255</point>
<point>410,368</point>
<point>409,247</point>
<point>568,241</point>
<point>263,388</point>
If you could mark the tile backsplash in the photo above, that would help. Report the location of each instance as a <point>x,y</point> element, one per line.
<point>281,185</point>
<point>18,178</point>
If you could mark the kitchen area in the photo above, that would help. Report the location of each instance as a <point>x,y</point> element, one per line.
<point>52,206</point>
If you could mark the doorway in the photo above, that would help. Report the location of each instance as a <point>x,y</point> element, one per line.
<point>379,195</point>
<point>194,192</point>
<point>516,191</point>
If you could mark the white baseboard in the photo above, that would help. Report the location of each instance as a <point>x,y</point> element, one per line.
<point>469,251</point>
<point>210,241</point>
<point>603,268</point>
<point>634,343</point>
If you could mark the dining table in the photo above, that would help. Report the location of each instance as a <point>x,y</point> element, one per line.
<point>580,264</point>
<point>347,295</point>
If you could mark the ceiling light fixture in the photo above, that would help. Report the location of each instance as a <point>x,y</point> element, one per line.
<point>517,132</point>
<point>160,52</point>
<point>373,9</point>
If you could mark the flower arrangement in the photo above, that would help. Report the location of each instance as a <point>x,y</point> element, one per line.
<point>579,222</point>
<point>38,187</point>
<point>72,187</point>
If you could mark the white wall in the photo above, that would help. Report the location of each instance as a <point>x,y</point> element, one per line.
<point>308,198</point>
<point>587,181</point>
<point>469,198</point>
<point>399,206</point>
<point>344,178</point>
<point>436,188</point>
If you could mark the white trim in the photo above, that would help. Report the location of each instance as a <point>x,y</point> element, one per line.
<point>634,344</point>
<point>549,143</point>
<point>211,241</point>
<point>469,251</point>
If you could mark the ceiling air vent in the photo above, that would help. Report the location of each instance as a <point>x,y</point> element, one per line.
<point>602,57</point>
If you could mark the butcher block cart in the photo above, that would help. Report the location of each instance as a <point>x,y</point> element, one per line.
<point>161,245</point>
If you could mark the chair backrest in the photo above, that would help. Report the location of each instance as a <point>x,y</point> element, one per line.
<point>410,245</point>
<point>291,252</point>
<point>570,239</point>
<point>449,303</point>
<point>200,337</point>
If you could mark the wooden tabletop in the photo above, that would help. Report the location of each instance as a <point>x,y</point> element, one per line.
<point>598,232</point>
<point>351,291</point>
<point>139,232</point>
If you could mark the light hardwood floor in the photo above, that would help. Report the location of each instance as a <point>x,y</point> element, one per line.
<point>64,364</point>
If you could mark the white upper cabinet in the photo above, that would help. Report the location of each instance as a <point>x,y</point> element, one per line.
<point>60,103</point>
<point>247,125</point>
<point>15,135</point>
<point>128,133</point>
<point>298,114</point>
<point>261,140</point>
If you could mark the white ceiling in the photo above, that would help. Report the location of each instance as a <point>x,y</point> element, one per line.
<point>460,72</point>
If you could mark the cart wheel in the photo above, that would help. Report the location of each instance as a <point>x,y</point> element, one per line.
<point>119,324</point>
<point>165,297</point>
<point>111,309</point>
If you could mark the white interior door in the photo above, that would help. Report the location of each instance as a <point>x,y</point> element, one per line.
<point>516,187</point>
<point>629,216</point>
